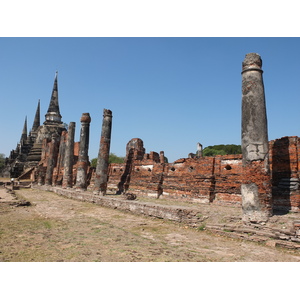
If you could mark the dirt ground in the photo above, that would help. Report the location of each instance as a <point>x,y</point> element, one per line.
<point>57,229</point>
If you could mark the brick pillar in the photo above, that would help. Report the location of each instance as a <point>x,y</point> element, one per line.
<point>162,157</point>
<point>52,158</point>
<point>60,160</point>
<point>256,184</point>
<point>69,157</point>
<point>81,179</point>
<point>103,155</point>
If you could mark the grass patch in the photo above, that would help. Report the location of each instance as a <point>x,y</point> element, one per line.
<point>47,224</point>
<point>201,227</point>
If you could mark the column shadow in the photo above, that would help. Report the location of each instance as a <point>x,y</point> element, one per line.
<point>282,182</point>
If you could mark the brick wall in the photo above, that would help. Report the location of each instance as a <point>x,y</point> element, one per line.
<point>215,179</point>
<point>200,179</point>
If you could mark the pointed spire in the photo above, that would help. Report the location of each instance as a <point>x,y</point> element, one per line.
<point>53,114</point>
<point>36,122</point>
<point>24,132</point>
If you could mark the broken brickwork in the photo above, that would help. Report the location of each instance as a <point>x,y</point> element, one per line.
<point>203,180</point>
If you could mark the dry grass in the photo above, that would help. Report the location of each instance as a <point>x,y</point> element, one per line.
<point>55,228</point>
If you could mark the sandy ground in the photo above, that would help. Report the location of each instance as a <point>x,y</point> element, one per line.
<point>57,229</point>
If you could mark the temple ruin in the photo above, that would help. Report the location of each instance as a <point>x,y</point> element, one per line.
<point>265,178</point>
<point>28,152</point>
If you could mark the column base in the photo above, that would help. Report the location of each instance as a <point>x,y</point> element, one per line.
<point>256,217</point>
<point>100,193</point>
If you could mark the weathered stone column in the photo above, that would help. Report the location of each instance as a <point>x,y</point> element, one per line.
<point>256,184</point>
<point>69,157</point>
<point>103,155</point>
<point>83,160</point>
<point>52,158</point>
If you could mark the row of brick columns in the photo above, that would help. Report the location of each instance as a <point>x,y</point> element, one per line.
<point>60,154</point>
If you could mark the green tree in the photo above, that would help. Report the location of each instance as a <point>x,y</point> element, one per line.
<point>94,162</point>
<point>113,158</point>
<point>212,152</point>
<point>222,150</point>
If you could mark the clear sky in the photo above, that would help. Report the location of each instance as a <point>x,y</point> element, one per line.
<point>170,92</point>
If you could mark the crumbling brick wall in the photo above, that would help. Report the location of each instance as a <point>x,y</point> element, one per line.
<point>203,179</point>
<point>199,179</point>
<point>214,179</point>
<point>190,178</point>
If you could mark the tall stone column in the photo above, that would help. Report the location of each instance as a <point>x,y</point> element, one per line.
<point>69,157</point>
<point>103,155</point>
<point>83,160</point>
<point>52,158</point>
<point>256,184</point>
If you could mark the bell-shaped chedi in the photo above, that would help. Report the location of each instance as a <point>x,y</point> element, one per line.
<point>52,125</point>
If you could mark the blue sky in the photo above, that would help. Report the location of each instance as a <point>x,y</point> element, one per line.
<point>170,92</point>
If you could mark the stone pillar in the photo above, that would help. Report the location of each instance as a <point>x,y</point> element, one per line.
<point>199,150</point>
<point>69,157</point>
<point>162,157</point>
<point>52,158</point>
<point>256,184</point>
<point>103,155</point>
<point>83,160</point>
